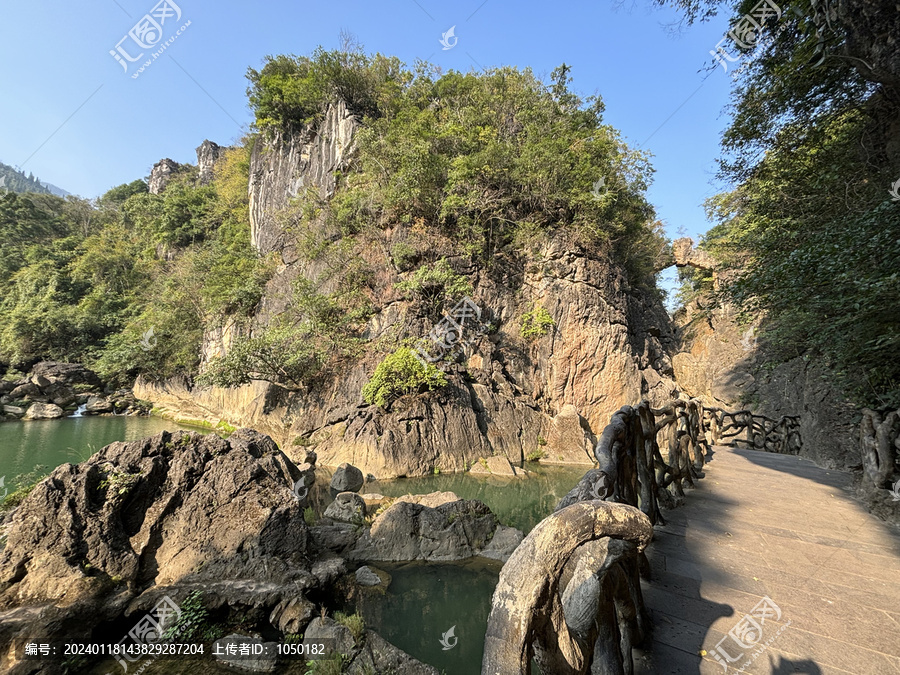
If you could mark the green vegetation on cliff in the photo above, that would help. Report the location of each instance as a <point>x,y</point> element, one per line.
<point>16,181</point>
<point>809,236</point>
<point>87,282</point>
<point>490,160</point>
<point>478,170</point>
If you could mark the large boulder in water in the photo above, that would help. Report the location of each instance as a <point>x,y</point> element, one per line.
<point>452,529</point>
<point>44,411</point>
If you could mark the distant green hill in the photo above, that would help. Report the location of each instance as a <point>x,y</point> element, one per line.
<point>16,181</point>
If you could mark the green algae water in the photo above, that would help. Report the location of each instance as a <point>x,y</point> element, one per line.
<point>517,502</point>
<point>425,600</point>
<point>50,443</point>
<point>436,612</point>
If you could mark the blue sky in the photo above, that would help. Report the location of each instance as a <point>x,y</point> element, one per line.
<point>73,117</point>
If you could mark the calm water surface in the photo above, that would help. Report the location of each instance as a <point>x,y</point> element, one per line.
<point>50,443</point>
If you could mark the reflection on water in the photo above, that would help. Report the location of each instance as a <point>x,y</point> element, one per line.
<point>426,600</point>
<point>517,502</point>
<point>70,439</point>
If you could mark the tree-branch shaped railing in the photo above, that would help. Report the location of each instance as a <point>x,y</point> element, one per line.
<point>763,433</point>
<point>570,596</point>
<point>879,440</point>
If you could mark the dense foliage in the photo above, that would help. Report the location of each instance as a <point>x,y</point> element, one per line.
<point>811,232</point>
<point>491,160</point>
<point>88,281</point>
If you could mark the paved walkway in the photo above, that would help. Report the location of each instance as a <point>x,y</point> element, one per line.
<point>759,525</point>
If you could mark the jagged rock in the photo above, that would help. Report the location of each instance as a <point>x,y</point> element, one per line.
<point>232,528</point>
<point>432,500</point>
<point>27,391</point>
<point>287,164</point>
<point>372,576</point>
<point>374,501</point>
<point>263,663</point>
<point>380,656</point>
<point>339,637</point>
<point>328,570</point>
<point>686,255</point>
<point>408,531</point>
<point>503,543</point>
<point>334,536</point>
<point>347,478</point>
<point>347,507</point>
<point>160,175</point>
<point>292,614</point>
<point>69,374</point>
<point>569,439</point>
<point>44,411</point>
<point>207,154</point>
<point>60,394</point>
<point>97,405</point>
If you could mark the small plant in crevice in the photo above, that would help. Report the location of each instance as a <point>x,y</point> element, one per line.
<point>194,623</point>
<point>352,621</point>
<point>536,323</point>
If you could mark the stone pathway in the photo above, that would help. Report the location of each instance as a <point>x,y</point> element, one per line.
<point>761,524</point>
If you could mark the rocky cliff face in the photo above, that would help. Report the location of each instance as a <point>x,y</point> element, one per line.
<point>207,155</point>
<point>286,165</point>
<point>160,175</point>
<point>610,345</point>
<point>721,362</point>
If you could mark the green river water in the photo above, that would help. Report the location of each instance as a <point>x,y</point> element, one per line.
<point>423,602</point>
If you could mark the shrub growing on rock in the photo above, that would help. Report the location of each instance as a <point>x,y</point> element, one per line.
<point>401,373</point>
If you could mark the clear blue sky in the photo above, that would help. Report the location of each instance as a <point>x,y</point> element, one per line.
<point>73,117</point>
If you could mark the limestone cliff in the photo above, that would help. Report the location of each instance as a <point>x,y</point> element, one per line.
<point>610,345</point>
<point>720,361</point>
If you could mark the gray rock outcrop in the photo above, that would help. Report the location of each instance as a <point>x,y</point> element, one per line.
<point>161,174</point>
<point>347,478</point>
<point>347,507</point>
<point>162,515</point>
<point>285,165</point>
<point>370,654</point>
<point>408,531</point>
<point>43,411</point>
<point>207,155</point>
